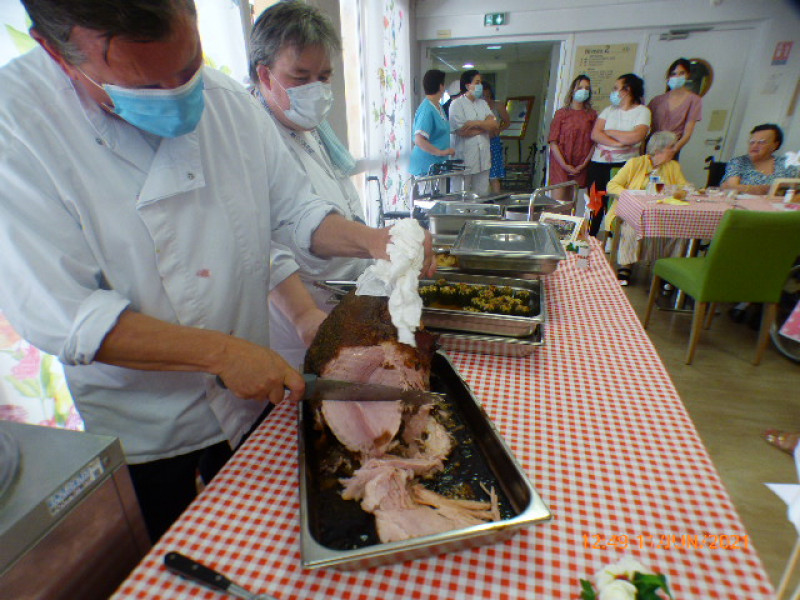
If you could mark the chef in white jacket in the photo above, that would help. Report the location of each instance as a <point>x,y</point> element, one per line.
<point>291,45</point>
<point>139,195</point>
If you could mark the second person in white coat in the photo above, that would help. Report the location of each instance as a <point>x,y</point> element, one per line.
<point>291,45</point>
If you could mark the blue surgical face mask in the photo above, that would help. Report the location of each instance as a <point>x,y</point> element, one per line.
<point>676,82</point>
<point>615,97</point>
<point>581,95</point>
<point>477,91</point>
<point>166,113</point>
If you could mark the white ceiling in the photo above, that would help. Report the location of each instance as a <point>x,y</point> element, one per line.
<point>452,58</point>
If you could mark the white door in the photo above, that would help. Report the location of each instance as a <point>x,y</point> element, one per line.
<point>726,52</point>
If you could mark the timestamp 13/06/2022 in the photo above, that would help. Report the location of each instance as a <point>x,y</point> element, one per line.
<point>666,541</point>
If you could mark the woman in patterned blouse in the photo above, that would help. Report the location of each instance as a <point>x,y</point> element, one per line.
<point>754,172</point>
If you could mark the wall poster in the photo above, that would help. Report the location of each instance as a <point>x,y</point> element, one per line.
<point>604,63</point>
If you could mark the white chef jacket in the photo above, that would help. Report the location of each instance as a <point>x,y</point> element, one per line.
<point>94,220</point>
<point>335,187</point>
<point>474,151</point>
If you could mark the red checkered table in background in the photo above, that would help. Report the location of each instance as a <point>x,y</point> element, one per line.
<point>593,418</point>
<point>696,220</point>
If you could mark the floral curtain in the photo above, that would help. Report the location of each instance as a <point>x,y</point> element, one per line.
<point>388,71</point>
<point>32,384</point>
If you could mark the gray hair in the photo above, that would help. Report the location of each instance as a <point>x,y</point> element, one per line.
<point>289,24</point>
<point>660,140</point>
<point>141,20</point>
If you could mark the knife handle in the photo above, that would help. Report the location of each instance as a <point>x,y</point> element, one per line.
<point>191,569</point>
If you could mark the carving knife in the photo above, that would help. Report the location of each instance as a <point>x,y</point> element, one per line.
<point>320,388</point>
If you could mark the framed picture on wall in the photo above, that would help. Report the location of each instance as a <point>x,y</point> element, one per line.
<point>519,110</point>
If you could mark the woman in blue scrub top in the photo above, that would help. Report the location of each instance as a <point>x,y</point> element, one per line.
<point>431,128</point>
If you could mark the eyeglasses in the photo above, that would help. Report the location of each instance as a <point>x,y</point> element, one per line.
<point>758,142</point>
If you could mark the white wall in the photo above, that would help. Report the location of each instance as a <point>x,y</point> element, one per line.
<point>582,22</point>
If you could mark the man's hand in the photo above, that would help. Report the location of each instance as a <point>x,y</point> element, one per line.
<point>429,261</point>
<point>336,236</point>
<point>256,373</point>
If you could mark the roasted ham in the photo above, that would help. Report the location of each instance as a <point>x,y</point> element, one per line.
<point>395,445</point>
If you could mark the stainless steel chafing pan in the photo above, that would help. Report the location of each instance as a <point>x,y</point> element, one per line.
<point>489,324</point>
<point>508,248</point>
<point>448,217</point>
<point>491,344</point>
<point>337,533</point>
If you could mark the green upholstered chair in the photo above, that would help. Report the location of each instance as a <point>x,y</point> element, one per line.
<point>748,261</point>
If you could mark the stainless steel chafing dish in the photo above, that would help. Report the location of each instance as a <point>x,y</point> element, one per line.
<point>492,344</point>
<point>448,217</point>
<point>488,324</point>
<point>334,534</point>
<point>508,248</point>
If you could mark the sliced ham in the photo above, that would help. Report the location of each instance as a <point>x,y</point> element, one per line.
<point>367,428</point>
<point>404,508</point>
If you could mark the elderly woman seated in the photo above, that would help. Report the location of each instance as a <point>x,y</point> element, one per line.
<point>634,175</point>
<point>754,172</point>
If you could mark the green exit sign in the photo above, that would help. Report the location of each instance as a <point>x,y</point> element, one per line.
<point>494,19</point>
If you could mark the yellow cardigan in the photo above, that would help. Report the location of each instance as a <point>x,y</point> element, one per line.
<point>634,175</point>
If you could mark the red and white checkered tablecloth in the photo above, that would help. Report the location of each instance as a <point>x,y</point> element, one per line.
<point>593,418</point>
<point>696,220</point>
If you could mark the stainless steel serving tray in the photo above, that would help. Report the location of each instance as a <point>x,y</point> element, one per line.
<point>448,217</point>
<point>508,248</point>
<point>320,510</point>
<point>491,344</point>
<point>487,323</point>
<point>473,322</point>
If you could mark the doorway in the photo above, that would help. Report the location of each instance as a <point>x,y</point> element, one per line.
<point>521,69</point>
<point>719,60</point>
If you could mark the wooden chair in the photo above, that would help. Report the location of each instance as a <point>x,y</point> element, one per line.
<point>748,261</point>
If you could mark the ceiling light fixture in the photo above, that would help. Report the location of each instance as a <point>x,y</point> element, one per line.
<point>467,66</point>
<point>493,47</point>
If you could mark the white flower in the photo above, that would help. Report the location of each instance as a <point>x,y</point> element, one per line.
<point>624,569</point>
<point>793,159</point>
<point>618,590</point>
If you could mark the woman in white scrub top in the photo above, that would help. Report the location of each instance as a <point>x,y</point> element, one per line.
<point>472,124</point>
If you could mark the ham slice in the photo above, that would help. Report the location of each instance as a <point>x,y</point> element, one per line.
<point>405,509</point>
<point>364,427</point>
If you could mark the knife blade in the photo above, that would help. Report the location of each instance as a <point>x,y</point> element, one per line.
<point>319,388</point>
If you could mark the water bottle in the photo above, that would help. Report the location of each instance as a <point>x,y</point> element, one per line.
<point>652,184</point>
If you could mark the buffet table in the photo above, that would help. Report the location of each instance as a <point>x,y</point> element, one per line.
<point>593,418</point>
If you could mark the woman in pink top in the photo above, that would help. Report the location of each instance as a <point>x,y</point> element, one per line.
<point>679,109</point>
<point>570,136</point>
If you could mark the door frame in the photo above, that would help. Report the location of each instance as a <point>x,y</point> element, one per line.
<point>554,84</point>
